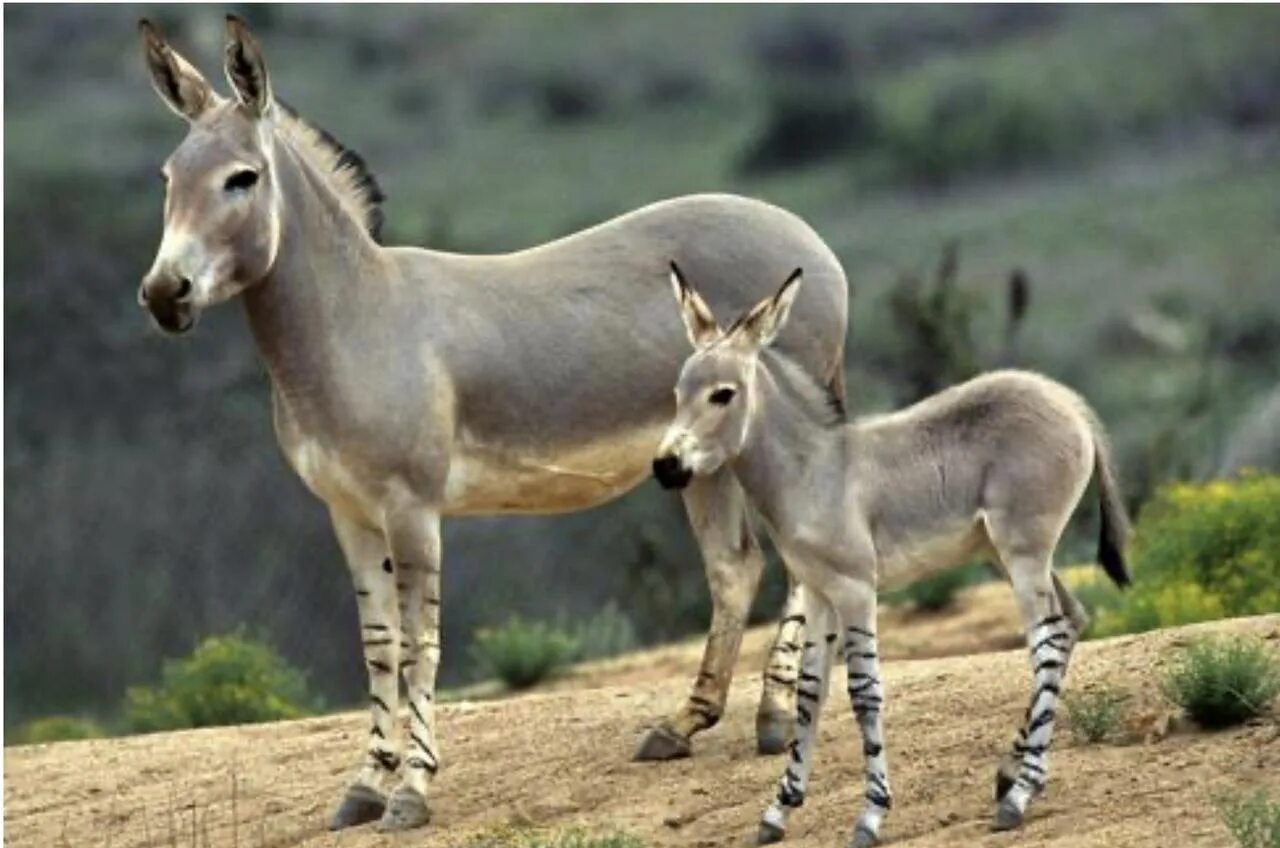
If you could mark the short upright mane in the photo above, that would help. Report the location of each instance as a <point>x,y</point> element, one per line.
<point>820,402</point>
<point>350,177</point>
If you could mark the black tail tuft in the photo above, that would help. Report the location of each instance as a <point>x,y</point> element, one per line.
<point>1111,553</point>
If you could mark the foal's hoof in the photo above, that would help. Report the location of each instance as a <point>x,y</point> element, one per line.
<point>406,809</point>
<point>1008,816</point>
<point>360,805</point>
<point>773,733</point>
<point>662,743</point>
<point>863,837</point>
<point>768,834</point>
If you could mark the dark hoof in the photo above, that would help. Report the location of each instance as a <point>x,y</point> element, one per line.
<point>662,743</point>
<point>863,838</point>
<point>768,834</point>
<point>773,734</point>
<point>360,805</point>
<point>406,809</point>
<point>1008,816</point>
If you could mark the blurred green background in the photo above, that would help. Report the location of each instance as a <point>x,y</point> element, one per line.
<point>1123,162</point>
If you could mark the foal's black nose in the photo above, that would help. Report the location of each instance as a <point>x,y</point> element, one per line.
<point>670,474</point>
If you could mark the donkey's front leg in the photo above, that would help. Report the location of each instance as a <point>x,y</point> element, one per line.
<point>775,719</point>
<point>375,585</point>
<point>818,620</point>
<point>856,603</point>
<point>718,513</point>
<point>413,535</point>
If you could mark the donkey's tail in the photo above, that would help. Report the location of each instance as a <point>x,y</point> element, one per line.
<point>1114,531</point>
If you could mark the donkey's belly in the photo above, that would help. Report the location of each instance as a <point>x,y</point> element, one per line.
<point>920,555</point>
<point>487,479</point>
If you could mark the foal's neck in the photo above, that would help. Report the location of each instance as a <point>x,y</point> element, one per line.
<point>323,255</point>
<point>788,449</point>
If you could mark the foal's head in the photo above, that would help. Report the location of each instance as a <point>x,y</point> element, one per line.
<point>714,395</point>
<point>221,211</point>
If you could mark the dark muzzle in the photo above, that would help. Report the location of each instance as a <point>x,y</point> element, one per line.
<point>670,473</point>
<point>168,301</point>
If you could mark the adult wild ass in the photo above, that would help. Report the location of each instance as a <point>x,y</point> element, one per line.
<point>993,466</point>
<point>410,384</point>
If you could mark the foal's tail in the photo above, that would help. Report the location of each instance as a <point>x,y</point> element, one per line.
<point>1114,532</point>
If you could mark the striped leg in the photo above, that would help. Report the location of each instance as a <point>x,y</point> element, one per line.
<point>818,620</point>
<point>371,571</point>
<point>415,548</point>
<point>866,694</point>
<point>775,719</point>
<point>1050,638</point>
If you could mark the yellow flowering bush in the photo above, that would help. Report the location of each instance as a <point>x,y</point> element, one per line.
<point>1200,551</point>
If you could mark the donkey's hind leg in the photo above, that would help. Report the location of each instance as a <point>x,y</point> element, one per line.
<point>1050,638</point>
<point>820,625</point>
<point>718,514</point>
<point>366,554</point>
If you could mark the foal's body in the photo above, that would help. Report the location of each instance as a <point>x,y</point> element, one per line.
<point>411,384</point>
<point>993,466</point>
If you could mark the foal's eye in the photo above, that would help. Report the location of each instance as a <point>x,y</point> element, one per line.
<point>241,180</point>
<point>721,397</point>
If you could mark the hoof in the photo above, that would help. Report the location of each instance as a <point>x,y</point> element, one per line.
<point>1008,816</point>
<point>773,733</point>
<point>863,837</point>
<point>359,806</point>
<point>406,809</point>
<point>662,743</point>
<point>768,834</point>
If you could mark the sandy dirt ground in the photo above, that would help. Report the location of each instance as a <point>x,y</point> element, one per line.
<point>560,758</point>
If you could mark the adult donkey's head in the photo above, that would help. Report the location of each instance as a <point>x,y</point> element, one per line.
<point>221,212</point>
<point>714,395</point>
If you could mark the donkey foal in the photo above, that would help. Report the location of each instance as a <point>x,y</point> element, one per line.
<point>993,466</point>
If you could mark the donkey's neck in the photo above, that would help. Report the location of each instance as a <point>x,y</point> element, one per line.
<point>787,450</point>
<point>296,311</point>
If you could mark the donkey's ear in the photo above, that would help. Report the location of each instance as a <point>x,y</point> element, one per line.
<point>761,325</point>
<point>246,69</point>
<point>177,82</point>
<point>699,323</point>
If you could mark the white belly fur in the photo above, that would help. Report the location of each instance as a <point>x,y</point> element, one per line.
<point>919,557</point>
<point>485,479</point>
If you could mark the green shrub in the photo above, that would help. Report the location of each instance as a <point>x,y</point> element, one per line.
<point>1200,552</point>
<point>1095,714</point>
<point>606,634</point>
<point>1254,820</point>
<point>522,653</point>
<point>517,838</point>
<point>226,680</point>
<point>56,729</point>
<point>937,592</point>
<point>971,124</point>
<point>1223,682</point>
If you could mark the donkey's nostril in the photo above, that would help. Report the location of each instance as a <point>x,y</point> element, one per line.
<point>670,473</point>
<point>184,288</point>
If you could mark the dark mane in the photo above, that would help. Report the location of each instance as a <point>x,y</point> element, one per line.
<point>349,174</point>
<point>819,401</point>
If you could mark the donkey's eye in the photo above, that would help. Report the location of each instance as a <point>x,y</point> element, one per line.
<point>241,180</point>
<point>721,397</point>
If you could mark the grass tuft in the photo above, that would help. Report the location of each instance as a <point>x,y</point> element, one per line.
<point>1095,714</point>
<point>1223,682</point>
<point>1253,820</point>
<point>522,653</point>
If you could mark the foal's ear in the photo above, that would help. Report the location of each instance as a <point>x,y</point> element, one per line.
<point>699,323</point>
<point>177,82</point>
<point>245,67</point>
<point>761,325</point>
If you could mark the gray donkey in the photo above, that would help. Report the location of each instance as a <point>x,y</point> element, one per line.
<point>992,466</point>
<point>410,384</point>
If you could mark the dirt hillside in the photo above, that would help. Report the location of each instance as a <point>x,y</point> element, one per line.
<point>561,757</point>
